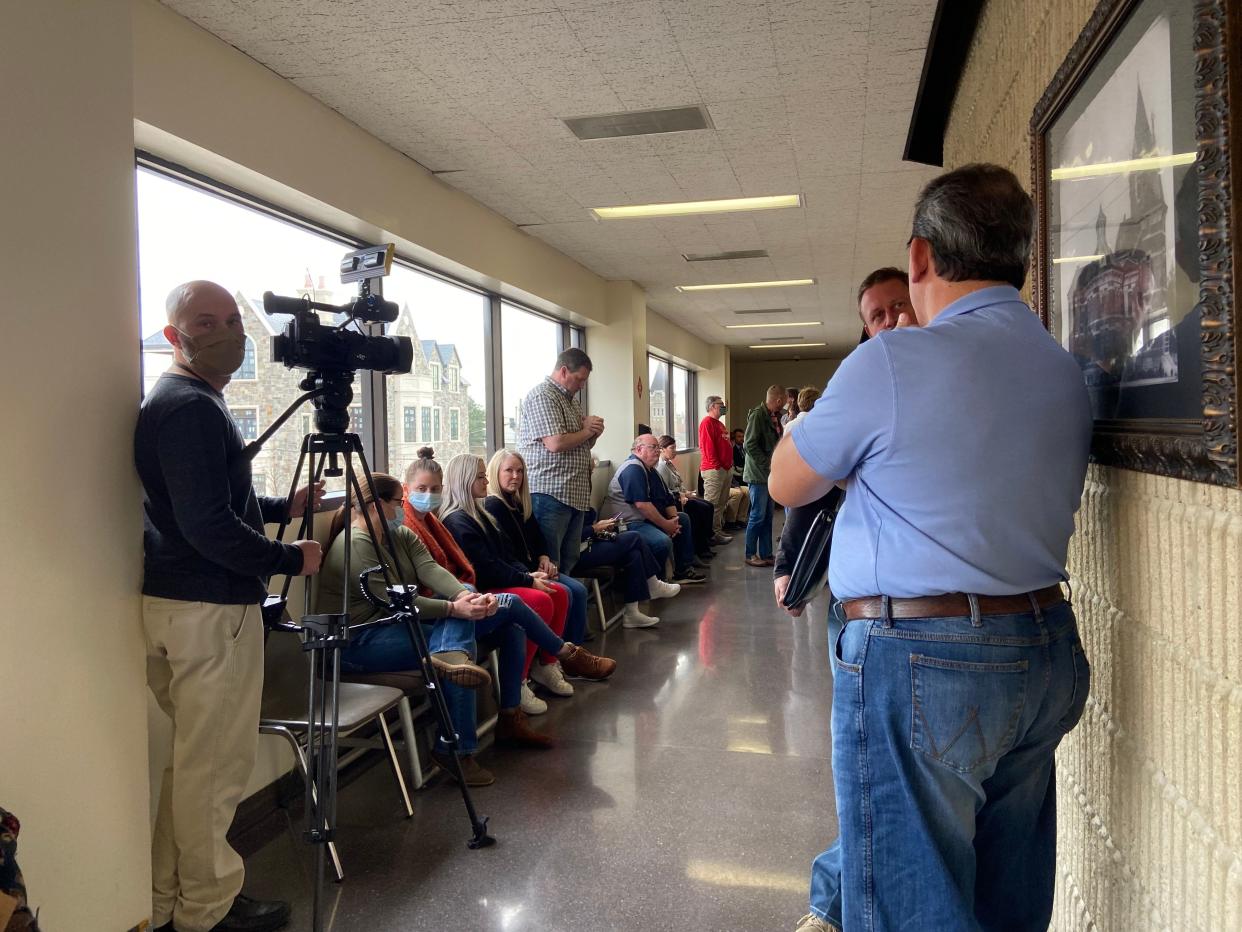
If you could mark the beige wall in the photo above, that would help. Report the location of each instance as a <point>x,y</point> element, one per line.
<point>1150,784</point>
<point>73,733</point>
<point>749,381</point>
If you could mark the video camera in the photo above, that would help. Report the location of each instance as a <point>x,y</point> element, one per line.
<point>308,343</point>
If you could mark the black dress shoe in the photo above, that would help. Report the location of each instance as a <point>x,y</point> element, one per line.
<point>247,915</point>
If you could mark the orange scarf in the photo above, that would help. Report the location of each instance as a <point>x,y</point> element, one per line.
<point>440,543</point>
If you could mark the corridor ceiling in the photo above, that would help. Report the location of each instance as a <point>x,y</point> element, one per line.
<point>804,96</point>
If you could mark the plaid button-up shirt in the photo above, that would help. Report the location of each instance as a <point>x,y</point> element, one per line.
<point>546,411</point>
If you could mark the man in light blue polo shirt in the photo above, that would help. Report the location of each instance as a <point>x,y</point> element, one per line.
<point>963,448</point>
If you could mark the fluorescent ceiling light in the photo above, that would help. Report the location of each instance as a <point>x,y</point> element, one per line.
<point>685,208</point>
<point>1070,172</point>
<point>783,345</point>
<point>1070,260</point>
<point>790,323</point>
<point>726,286</point>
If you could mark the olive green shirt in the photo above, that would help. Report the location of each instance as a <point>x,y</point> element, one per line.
<point>761,439</point>
<point>417,567</point>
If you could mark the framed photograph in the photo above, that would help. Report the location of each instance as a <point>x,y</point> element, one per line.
<point>1135,263</point>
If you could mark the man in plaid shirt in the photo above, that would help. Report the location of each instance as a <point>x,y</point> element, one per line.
<point>555,438</point>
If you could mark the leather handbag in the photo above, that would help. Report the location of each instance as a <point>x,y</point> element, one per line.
<point>810,569</point>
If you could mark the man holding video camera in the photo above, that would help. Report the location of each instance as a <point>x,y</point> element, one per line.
<point>206,561</point>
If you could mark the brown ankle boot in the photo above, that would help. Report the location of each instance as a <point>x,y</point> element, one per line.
<point>454,666</point>
<point>513,731</point>
<point>581,662</point>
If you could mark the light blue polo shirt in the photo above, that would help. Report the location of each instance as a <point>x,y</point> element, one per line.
<point>964,445</point>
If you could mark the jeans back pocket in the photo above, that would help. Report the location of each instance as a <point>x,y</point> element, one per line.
<point>965,714</point>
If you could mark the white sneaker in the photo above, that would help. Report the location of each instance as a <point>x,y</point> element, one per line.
<point>633,618</point>
<point>659,589</point>
<point>552,678</point>
<point>532,704</point>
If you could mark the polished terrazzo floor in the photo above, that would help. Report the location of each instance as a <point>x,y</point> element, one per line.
<point>690,792</point>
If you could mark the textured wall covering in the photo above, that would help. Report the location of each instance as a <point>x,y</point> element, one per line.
<point>1150,784</point>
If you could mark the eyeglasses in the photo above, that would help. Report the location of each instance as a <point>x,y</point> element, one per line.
<point>395,501</point>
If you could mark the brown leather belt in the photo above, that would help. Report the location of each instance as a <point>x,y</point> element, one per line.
<point>950,606</point>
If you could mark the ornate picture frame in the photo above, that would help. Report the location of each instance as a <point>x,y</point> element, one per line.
<point>1137,203</point>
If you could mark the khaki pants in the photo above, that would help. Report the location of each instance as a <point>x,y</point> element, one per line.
<point>716,492</point>
<point>205,667</point>
<point>739,505</point>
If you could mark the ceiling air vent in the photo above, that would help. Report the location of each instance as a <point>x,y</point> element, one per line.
<point>719,256</point>
<point>766,310</point>
<point>639,123</point>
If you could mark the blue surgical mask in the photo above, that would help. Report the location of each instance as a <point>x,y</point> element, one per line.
<point>423,501</point>
<point>397,521</point>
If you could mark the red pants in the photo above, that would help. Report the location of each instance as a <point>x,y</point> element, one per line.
<point>552,607</point>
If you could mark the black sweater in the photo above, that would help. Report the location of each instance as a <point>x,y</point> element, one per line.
<point>523,533</point>
<point>495,564</point>
<point>203,524</point>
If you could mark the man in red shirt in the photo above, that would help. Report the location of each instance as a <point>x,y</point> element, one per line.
<point>716,465</point>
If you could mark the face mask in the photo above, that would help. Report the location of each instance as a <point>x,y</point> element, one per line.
<point>423,501</point>
<point>396,522</point>
<point>724,409</point>
<point>218,354</point>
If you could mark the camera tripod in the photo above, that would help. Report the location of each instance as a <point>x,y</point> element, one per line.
<point>332,451</point>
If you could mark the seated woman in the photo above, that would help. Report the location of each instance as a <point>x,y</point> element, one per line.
<point>699,511</point>
<point>508,502</point>
<point>424,488</point>
<point>459,615</point>
<point>604,545</point>
<point>465,484</point>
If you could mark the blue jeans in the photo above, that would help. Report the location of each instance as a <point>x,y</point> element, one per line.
<point>576,621</point>
<point>681,546</point>
<point>759,522</point>
<point>630,554</point>
<point>388,648</point>
<point>943,734</point>
<point>562,529</point>
<point>506,633</point>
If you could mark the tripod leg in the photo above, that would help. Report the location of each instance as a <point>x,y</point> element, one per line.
<point>480,838</point>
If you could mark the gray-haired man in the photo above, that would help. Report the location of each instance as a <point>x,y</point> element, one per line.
<point>716,465</point>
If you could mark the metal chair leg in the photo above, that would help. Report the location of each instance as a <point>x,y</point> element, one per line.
<point>396,764</point>
<point>603,617</point>
<point>300,757</point>
<point>411,741</point>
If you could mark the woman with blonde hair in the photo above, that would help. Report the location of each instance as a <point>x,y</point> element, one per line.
<point>497,569</point>
<point>508,502</point>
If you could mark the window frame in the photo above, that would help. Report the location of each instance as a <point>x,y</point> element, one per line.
<point>692,399</point>
<point>233,409</point>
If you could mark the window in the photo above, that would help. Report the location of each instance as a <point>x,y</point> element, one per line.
<point>673,396</point>
<point>454,424</point>
<point>681,397</point>
<point>247,422</point>
<point>355,419</point>
<point>410,432</point>
<point>657,389</point>
<point>447,323</point>
<point>529,344</point>
<point>247,371</point>
<point>188,232</point>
